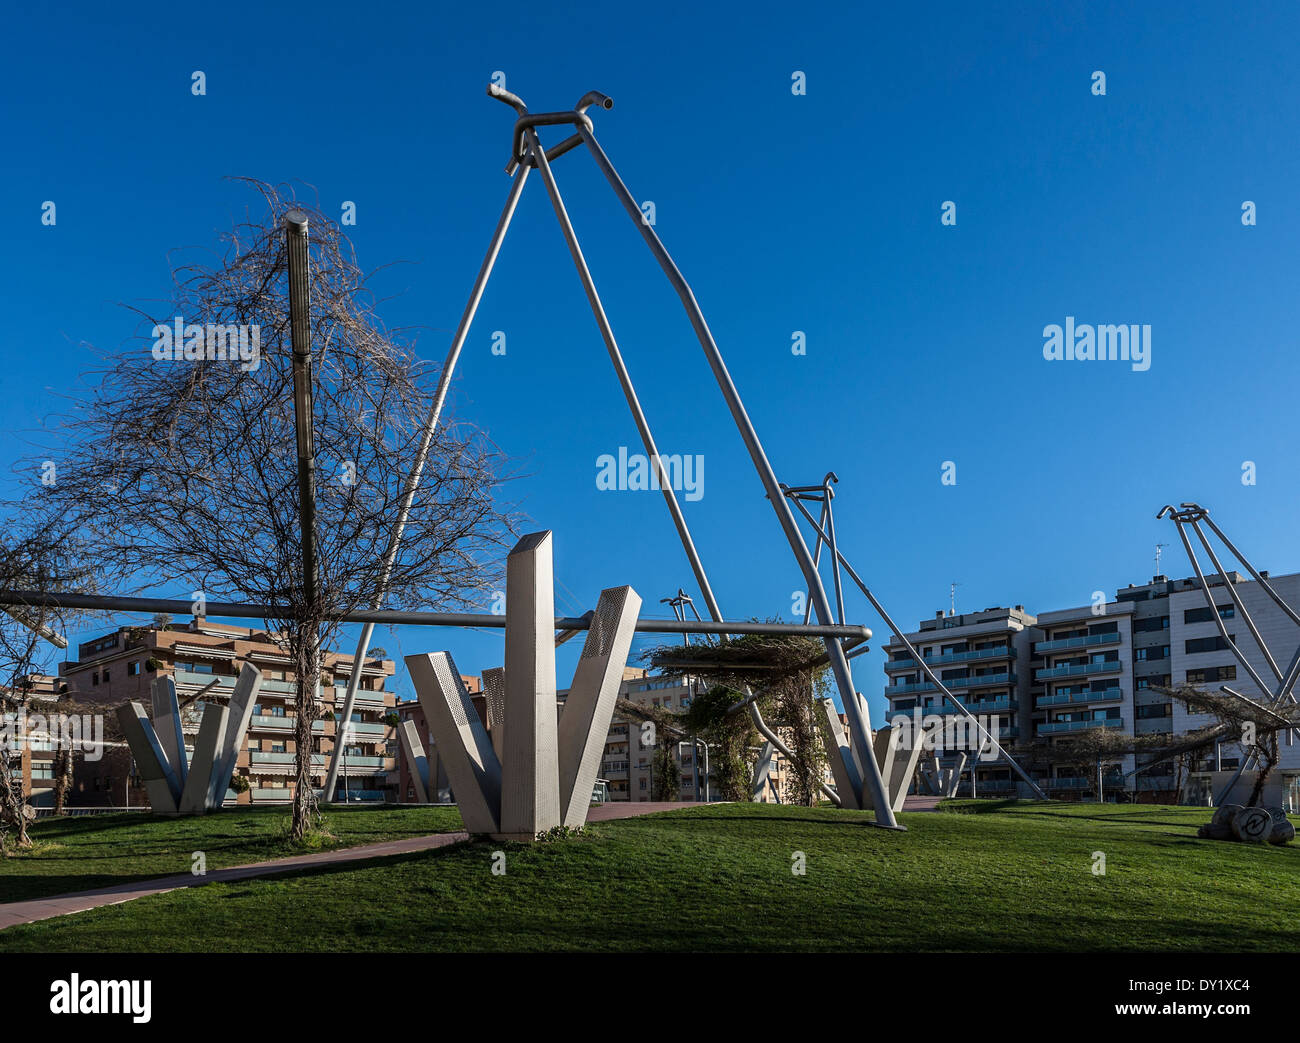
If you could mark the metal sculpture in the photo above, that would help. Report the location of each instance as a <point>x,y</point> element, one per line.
<point>546,771</point>
<point>1191,515</point>
<point>526,153</point>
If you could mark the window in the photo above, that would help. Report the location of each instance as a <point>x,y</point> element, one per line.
<point>1209,644</point>
<point>1212,673</point>
<point>94,678</point>
<point>133,669</point>
<point>1202,614</point>
<point>1145,655</point>
<point>1141,626</point>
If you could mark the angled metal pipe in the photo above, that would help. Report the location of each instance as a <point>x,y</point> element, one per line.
<point>537,156</point>
<point>1214,614</point>
<point>1255,574</point>
<point>421,457</point>
<point>1237,602</point>
<point>859,719</point>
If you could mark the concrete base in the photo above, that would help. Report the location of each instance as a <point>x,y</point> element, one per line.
<point>150,761</point>
<point>547,768</point>
<point>413,749</point>
<point>584,726</point>
<point>530,795</point>
<point>848,782</point>
<point>464,748</point>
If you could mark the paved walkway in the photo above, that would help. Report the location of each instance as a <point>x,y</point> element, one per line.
<point>60,905</point>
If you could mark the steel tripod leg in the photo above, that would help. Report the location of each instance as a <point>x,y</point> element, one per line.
<point>643,427</point>
<point>859,721</point>
<point>413,479</point>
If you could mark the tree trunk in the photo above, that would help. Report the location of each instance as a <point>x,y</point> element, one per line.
<point>307,668</point>
<point>63,779</point>
<point>13,805</point>
<point>1267,753</point>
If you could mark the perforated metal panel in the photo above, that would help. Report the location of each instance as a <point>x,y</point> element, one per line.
<point>604,622</point>
<point>494,694</point>
<point>449,681</point>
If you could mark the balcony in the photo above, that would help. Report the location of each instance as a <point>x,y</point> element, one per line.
<point>203,680</point>
<point>347,796</point>
<point>1079,669</point>
<point>258,757</point>
<point>1109,695</point>
<point>360,728</point>
<point>1001,652</point>
<point>284,724</point>
<point>1087,641</point>
<point>1077,783</point>
<point>352,763</point>
<point>364,696</point>
<point>264,795</point>
<point>987,706</point>
<point>971,681</point>
<point>1053,727</point>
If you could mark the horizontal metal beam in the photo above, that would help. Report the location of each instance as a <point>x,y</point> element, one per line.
<point>226,609</point>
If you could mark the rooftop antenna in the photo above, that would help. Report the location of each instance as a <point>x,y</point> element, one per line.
<point>952,598</point>
<point>1159,549</point>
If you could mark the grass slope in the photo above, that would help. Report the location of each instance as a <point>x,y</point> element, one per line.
<point>980,876</point>
<point>84,853</point>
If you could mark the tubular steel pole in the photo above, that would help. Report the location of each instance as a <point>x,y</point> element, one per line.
<point>859,719</point>
<point>421,456</point>
<point>538,156</point>
<point>295,223</point>
<point>236,610</point>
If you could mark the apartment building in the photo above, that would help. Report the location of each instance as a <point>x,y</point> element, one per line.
<point>1099,665</point>
<point>628,763</point>
<point>984,658</point>
<point>31,753</point>
<point>205,657</point>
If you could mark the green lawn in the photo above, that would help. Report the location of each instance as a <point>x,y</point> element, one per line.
<point>979,876</point>
<point>93,851</point>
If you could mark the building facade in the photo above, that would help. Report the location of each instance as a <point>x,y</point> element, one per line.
<point>31,749</point>
<point>206,657</point>
<point>1100,666</point>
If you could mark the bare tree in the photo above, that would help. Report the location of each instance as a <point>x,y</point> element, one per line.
<point>183,469</point>
<point>1238,720</point>
<point>37,553</point>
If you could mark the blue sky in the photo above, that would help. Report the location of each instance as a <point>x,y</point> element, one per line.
<point>818,213</point>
